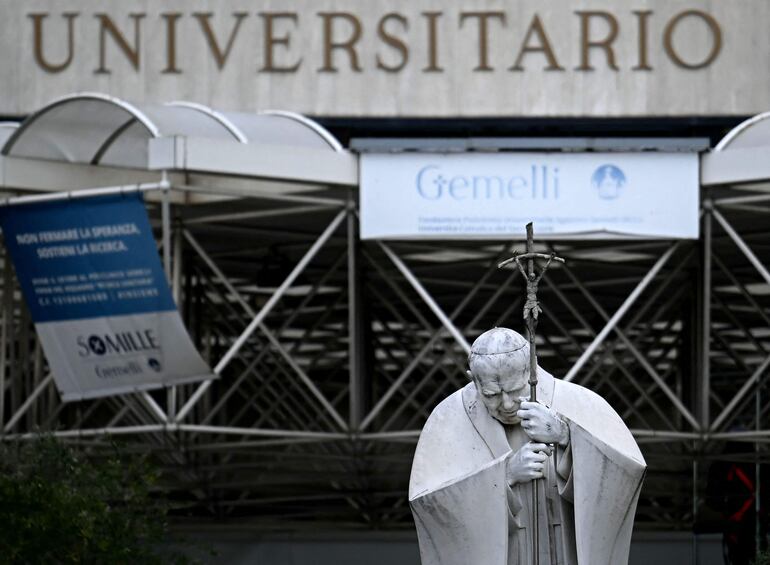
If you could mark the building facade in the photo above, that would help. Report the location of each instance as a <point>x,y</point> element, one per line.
<point>334,331</point>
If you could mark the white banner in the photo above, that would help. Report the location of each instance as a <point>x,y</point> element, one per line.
<point>119,354</point>
<point>494,196</point>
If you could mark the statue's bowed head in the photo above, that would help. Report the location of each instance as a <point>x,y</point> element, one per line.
<point>499,367</point>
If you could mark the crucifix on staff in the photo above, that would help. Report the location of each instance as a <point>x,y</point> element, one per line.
<point>530,314</point>
<point>531,305</point>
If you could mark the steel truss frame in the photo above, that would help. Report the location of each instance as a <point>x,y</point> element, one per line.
<point>333,351</point>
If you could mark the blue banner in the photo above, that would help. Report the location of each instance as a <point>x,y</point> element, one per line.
<point>91,276</point>
<point>86,258</point>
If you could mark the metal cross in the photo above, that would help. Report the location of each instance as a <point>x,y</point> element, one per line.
<point>531,306</point>
<point>531,311</point>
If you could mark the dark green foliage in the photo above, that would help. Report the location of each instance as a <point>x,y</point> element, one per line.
<point>56,506</point>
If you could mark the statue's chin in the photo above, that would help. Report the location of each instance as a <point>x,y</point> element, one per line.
<point>507,420</point>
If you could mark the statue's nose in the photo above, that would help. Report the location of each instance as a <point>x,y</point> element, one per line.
<point>507,401</point>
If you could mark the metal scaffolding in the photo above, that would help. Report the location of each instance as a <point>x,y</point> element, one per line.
<point>333,351</point>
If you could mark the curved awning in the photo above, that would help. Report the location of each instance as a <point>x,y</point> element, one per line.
<point>96,130</point>
<point>742,156</point>
<point>6,131</point>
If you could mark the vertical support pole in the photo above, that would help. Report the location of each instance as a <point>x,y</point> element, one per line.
<point>7,305</point>
<point>176,267</point>
<point>757,474</point>
<point>355,353</point>
<point>20,360</point>
<point>705,346</point>
<point>694,510</point>
<point>176,291</point>
<point>705,361</point>
<point>165,212</point>
<point>37,376</point>
<point>165,215</point>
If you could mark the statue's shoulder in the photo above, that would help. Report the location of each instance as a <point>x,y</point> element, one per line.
<point>449,447</point>
<point>578,392</point>
<point>450,407</point>
<point>594,414</point>
<point>579,402</point>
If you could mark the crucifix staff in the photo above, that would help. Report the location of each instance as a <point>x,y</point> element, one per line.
<point>531,312</point>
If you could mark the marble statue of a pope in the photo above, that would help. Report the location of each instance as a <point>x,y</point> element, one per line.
<point>483,447</point>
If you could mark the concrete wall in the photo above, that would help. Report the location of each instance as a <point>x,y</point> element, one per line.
<point>403,57</point>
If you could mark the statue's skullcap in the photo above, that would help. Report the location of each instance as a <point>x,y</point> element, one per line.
<point>498,341</point>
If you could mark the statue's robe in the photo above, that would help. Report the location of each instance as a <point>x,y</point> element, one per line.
<point>466,513</point>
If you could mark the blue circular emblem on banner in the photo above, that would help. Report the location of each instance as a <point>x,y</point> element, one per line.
<point>608,180</point>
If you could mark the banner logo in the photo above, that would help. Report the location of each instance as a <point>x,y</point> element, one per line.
<point>531,182</point>
<point>609,181</point>
<point>121,343</point>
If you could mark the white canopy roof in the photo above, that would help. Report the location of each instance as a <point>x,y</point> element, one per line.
<point>97,130</point>
<point>6,130</point>
<point>752,133</point>
<point>743,155</point>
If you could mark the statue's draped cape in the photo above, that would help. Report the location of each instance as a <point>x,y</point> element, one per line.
<point>462,504</point>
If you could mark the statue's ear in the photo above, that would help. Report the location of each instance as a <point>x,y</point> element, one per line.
<point>470,376</point>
